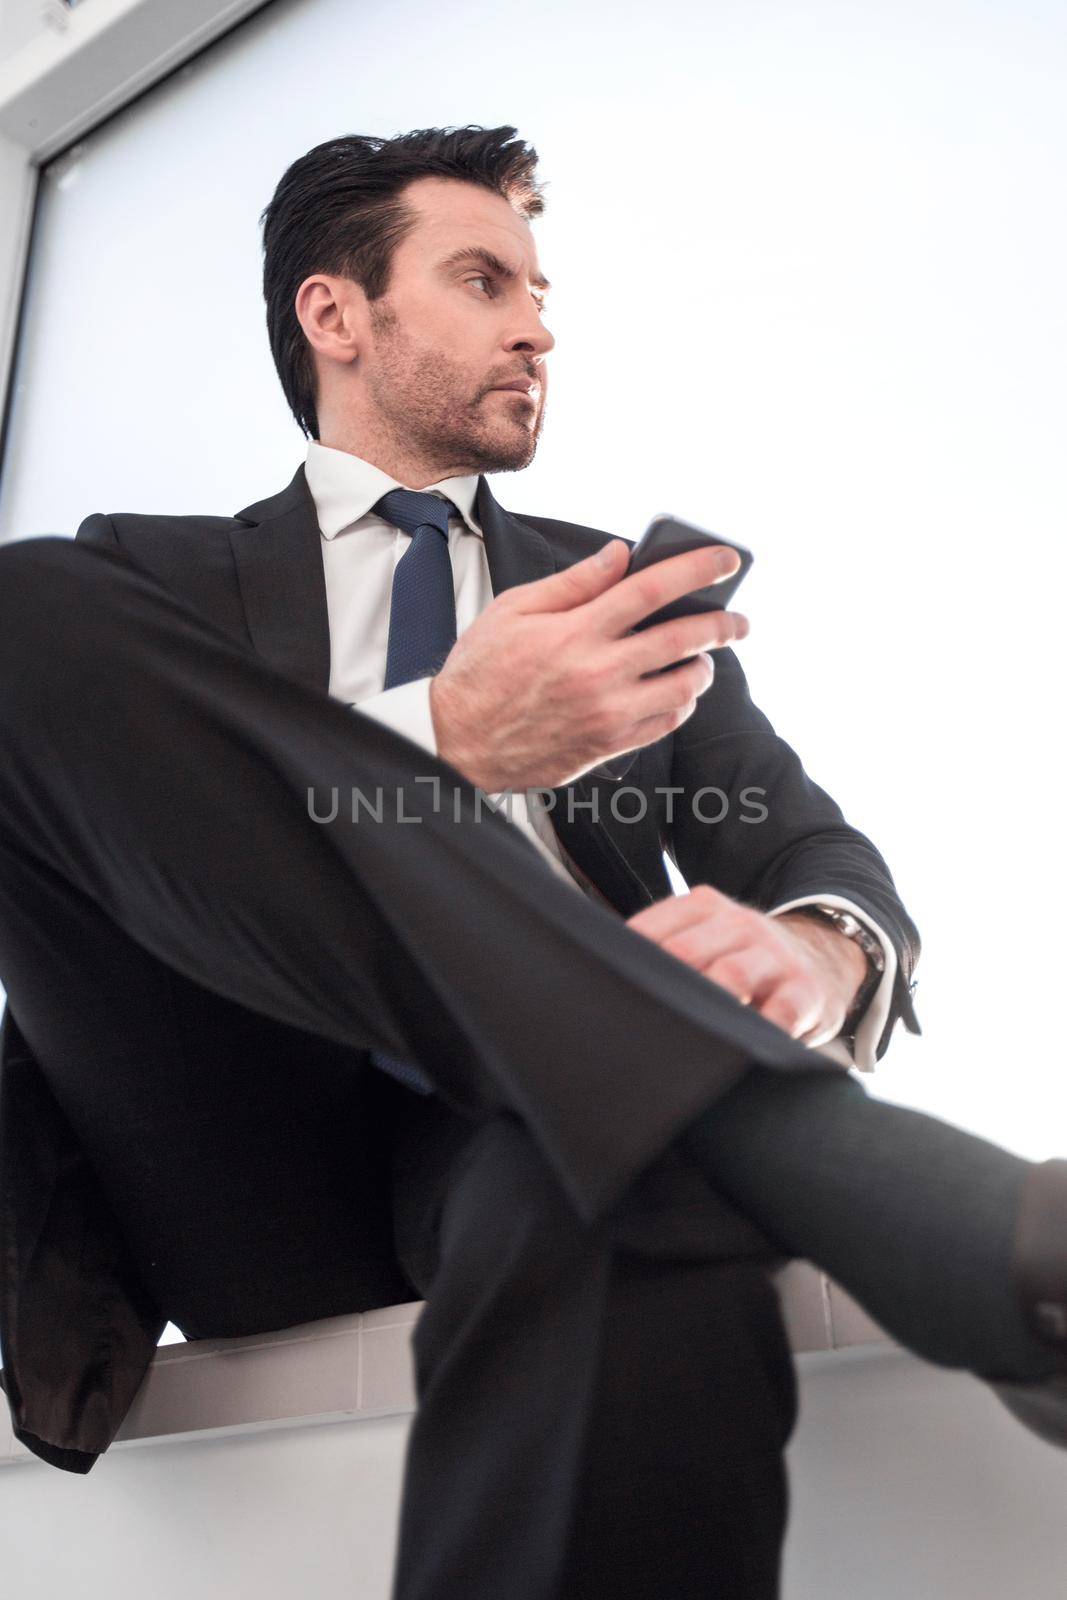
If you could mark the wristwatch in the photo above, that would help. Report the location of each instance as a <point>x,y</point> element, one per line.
<point>853,929</point>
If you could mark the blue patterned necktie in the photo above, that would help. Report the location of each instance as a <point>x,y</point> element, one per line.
<point>422,618</point>
<point>422,630</point>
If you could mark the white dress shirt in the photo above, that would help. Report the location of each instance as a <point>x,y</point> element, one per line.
<point>360,551</point>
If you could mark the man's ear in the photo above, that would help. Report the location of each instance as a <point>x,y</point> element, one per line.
<point>334,315</point>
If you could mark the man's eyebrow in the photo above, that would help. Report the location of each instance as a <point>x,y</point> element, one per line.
<point>478,253</point>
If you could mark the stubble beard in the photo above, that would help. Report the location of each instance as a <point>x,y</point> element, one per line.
<point>421,399</point>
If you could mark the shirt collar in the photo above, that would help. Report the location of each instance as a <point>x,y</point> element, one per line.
<point>344,488</point>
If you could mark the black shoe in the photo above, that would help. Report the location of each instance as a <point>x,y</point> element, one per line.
<point>1040,1272</point>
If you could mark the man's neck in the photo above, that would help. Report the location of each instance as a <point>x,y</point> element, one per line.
<point>408,470</point>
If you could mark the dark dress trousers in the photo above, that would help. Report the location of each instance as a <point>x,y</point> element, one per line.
<point>190,1129</point>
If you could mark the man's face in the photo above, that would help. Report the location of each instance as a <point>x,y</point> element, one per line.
<point>447,334</point>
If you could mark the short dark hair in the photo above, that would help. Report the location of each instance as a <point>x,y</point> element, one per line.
<point>339,210</point>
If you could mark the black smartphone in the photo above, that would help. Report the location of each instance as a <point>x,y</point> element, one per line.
<point>669,536</point>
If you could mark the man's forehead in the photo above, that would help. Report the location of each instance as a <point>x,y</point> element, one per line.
<point>453,215</point>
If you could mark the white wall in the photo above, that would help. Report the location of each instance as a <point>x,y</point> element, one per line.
<point>274,1515</point>
<point>909,1482</point>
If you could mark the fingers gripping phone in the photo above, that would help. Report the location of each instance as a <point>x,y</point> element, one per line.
<point>668,536</point>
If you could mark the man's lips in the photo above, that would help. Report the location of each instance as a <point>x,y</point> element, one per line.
<point>528,386</point>
<point>523,394</point>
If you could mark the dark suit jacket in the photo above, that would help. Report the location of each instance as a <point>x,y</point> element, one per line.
<point>259,577</point>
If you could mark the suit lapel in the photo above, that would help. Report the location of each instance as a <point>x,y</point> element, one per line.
<point>283,585</point>
<point>515,552</point>
<point>278,556</point>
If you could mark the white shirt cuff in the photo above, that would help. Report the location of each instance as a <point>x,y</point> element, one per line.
<point>405,709</point>
<point>872,1023</point>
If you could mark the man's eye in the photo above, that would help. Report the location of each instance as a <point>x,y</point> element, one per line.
<point>483,278</point>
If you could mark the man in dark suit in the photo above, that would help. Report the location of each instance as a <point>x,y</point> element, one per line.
<point>297,1026</point>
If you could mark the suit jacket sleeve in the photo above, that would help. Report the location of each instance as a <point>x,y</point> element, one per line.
<point>781,837</point>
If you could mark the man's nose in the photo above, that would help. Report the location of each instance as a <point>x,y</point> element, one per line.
<point>533,336</point>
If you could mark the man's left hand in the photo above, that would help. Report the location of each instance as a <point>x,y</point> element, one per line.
<point>793,970</point>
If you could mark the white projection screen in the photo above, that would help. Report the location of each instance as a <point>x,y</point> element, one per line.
<point>808,268</point>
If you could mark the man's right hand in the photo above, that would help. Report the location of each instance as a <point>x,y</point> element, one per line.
<point>549,680</point>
